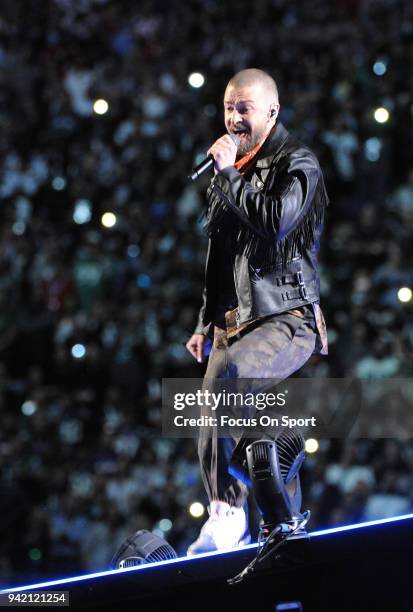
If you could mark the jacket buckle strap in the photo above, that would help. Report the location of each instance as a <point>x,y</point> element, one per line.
<point>301,285</point>
<point>291,295</point>
<point>286,279</point>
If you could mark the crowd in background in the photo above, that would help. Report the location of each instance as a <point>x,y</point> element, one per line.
<point>93,316</point>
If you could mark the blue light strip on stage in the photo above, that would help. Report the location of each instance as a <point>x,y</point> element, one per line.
<point>145,566</point>
<point>361,525</point>
<point>62,581</point>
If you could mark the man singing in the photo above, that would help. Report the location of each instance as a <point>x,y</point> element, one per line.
<point>261,298</point>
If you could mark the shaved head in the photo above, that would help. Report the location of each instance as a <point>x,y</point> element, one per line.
<point>255,77</point>
<point>251,107</point>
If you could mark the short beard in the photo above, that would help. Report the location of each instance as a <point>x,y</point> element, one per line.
<point>243,150</point>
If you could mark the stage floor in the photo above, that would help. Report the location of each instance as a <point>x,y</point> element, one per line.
<point>367,566</point>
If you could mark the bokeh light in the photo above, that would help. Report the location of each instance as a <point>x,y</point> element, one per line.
<point>381,114</point>
<point>133,251</point>
<point>165,524</point>
<point>311,445</point>
<point>196,509</point>
<point>19,228</point>
<point>108,219</point>
<point>82,212</point>
<point>379,68</point>
<point>78,351</point>
<point>58,183</point>
<point>100,106</point>
<point>196,80</point>
<point>144,281</point>
<point>404,294</point>
<point>28,408</point>
<point>372,149</point>
<point>35,554</point>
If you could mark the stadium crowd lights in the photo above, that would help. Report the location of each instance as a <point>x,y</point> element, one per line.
<point>165,524</point>
<point>78,351</point>
<point>108,219</point>
<point>196,80</point>
<point>381,114</point>
<point>372,149</point>
<point>196,509</point>
<point>100,106</point>
<point>82,212</point>
<point>133,250</point>
<point>311,445</point>
<point>35,554</point>
<point>404,294</point>
<point>18,228</point>
<point>379,68</point>
<point>29,408</point>
<point>58,183</point>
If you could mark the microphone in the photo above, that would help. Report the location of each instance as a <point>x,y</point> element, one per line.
<point>209,161</point>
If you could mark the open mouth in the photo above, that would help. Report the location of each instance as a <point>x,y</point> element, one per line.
<point>242,134</point>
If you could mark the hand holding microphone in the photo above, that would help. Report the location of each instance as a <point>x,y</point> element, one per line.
<point>221,155</point>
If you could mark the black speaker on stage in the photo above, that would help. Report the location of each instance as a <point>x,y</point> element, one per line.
<point>142,547</point>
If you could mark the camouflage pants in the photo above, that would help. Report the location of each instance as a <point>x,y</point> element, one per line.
<point>274,348</point>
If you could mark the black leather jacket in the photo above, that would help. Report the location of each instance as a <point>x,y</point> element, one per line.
<point>275,216</point>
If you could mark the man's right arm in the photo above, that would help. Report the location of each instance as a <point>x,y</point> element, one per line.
<point>200,327</point>
<point>196,342</point>
<point>276,214</point>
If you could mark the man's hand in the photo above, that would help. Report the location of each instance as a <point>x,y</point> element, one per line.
<point>224,152</point>
<point>195,346</point>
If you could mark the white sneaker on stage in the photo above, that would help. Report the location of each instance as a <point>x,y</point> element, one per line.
<point>226,528</point>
